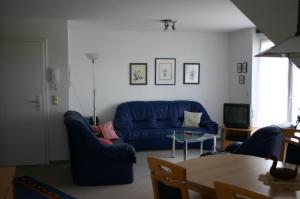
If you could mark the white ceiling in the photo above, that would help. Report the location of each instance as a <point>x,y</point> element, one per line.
<point>192,15</point>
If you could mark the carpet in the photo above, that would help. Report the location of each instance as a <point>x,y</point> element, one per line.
<point>28,187</point>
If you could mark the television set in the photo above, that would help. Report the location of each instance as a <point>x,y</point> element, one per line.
<point>236,115</point>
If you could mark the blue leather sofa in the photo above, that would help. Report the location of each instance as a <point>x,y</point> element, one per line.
<point>145,124</point>
<point>93,163</point>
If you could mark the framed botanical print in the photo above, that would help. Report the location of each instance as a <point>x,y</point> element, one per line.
<point>165,71</point>
<point>138,74</point>
<point>241,79</point>
<point>191,73</point>
<point>244,67</point>
<point>239,67</point>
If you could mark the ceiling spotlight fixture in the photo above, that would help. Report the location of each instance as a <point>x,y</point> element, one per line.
<point>169,23</point>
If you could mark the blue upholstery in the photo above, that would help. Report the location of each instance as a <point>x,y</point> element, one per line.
<point>145,124</point>
<point>93,163</point>
<point>263,143</point>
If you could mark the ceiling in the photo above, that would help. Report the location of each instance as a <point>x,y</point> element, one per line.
<point>192,15</point>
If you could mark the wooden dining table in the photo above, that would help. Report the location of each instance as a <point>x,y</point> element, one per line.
<point>241,170</point>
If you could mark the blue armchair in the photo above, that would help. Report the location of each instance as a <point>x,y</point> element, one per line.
<point>93,163</point>
<point>263,143</point>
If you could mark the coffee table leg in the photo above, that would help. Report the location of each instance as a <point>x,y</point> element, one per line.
<point>185,150</point>
<point>173,148</point>
<point>201,147</point>
<point>215,143</point>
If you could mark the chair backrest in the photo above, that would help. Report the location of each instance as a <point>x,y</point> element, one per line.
<point>228,191</point>
<point>292,149</point>
<point>264,142</point>
<point>168,179</point>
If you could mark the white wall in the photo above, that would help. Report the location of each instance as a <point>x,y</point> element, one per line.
<point>119,48</point>
<point>56,33</point>
<point>240,49</point>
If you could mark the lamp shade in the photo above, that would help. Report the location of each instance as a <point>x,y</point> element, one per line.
<point>92,56</point>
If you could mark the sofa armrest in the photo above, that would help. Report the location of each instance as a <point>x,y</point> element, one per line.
<point>211,126</point>
<point>117,152</point>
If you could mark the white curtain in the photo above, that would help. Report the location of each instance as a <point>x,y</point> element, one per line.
<point>272,90</point>
<point>296,94</point>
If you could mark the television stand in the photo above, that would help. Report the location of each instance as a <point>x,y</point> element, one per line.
<point>230,135</point>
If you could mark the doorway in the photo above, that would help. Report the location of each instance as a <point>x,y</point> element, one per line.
<point>23,107</point>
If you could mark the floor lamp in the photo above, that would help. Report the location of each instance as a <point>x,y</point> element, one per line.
<point>93,57</point>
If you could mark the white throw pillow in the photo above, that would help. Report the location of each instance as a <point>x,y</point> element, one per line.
<point>191,119</point>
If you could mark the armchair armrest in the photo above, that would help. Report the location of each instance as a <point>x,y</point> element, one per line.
<point>116,152</point>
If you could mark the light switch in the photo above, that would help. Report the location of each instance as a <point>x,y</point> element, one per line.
<point>55,100</point>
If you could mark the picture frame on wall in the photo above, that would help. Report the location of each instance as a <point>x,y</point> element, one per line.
<point>239,67</point>
<point>138,73</point>
<point>165,71</point>
<point>241,79</point>
<point>244,67</point>
<point>191,73</point>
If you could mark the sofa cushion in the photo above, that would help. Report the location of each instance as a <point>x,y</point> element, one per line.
<point>191,119</point>
<point>108,131</point>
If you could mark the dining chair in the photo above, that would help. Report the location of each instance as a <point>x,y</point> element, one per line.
<point>228,191</point>
<point>168,179</point>
<point>292,149</point>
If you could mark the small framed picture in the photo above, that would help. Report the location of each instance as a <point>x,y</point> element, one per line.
<point>165,70</point>
<point>138,74</point>
<point>239,67</point>
<point>244,67</point>
<point>191,73</point>
<point>241,79</point>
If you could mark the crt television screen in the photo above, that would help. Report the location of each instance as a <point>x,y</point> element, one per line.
<point>236,115</point>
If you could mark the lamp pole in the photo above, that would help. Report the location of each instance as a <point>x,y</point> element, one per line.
<point>94,96</point>
<point>93,57</point>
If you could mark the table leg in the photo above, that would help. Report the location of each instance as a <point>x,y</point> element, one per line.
<point>215,143</point>
<point>185,150</point>
<point>173,146</point>
<point>201,147</point>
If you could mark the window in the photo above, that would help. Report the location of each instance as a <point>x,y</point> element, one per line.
<point>275,99</point>
<point>295,98</point>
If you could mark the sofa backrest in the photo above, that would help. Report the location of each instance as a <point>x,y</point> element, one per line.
<point>155,114</point>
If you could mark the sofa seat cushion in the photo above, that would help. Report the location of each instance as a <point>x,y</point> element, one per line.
<point>191,119</point>
<point>141,134</point>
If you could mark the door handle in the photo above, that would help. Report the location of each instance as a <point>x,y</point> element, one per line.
<point>34,101</point>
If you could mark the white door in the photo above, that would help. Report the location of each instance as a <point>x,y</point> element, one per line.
<point>23,137</point>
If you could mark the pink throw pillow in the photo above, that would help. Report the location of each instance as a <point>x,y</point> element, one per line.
<point>105,141</point>
<point>95,129</point>
<point>108,131</point>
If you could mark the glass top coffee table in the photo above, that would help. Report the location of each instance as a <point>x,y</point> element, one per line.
<point>188,137</point>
